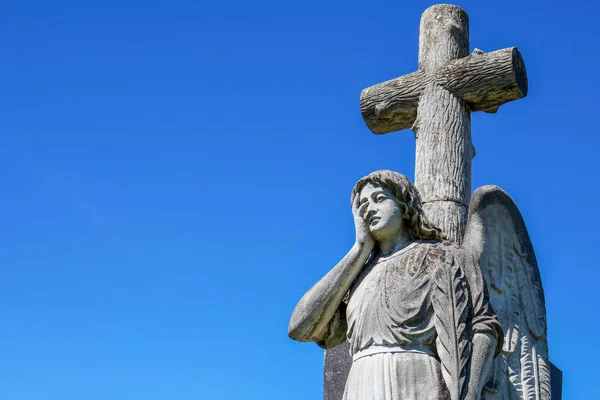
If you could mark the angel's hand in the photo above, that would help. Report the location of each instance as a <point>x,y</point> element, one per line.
<point>363,237</point>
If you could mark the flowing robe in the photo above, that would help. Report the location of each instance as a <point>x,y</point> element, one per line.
<point>392,317</point>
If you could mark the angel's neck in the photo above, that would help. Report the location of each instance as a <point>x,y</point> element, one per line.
<point>395,243</point>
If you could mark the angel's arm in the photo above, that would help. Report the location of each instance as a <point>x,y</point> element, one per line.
<point>316,310</point>
<point>482,357</point>
<point>487,331</point>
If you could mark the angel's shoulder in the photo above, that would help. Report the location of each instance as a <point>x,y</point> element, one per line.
<point>449,251</point>
<point>438,250</point>
<point>442,246</point>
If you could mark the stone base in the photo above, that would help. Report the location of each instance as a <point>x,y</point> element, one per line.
<point>337,368</point>
<point>556,382</point>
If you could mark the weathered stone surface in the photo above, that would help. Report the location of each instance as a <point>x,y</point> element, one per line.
<point>337,367</point>
<point>496,236</point>
<point>338,363</point>
<point>365,297</point>
<point>413,307</point>
<point>484,81</point>
<point>436,102</point>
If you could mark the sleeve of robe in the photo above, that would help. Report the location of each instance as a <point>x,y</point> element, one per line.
<point>484,319</point>
<point>336,332</point>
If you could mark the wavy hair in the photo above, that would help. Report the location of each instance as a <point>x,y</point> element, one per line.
<point>408,199</point>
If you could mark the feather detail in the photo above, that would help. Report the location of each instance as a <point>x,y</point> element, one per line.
<point>503,291</point>
<point>451,304</point>
<point>513,361</point>
<point>532,294</point>
<point>543,370</point>
<point>535,372</point>
<point>528,367</point>
<point>510,323</point>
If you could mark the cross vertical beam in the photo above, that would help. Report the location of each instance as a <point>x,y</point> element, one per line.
<point>443,125</point>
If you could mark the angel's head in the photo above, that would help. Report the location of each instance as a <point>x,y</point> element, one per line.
<point>394,204</point>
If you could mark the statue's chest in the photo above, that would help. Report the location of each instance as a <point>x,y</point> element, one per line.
<point>398,285</point>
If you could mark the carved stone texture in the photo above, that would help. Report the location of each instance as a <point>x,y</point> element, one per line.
<point>412,306</point>
<point>496,239</point>
<point>496,236</point>
<point>436,101</point>
<point>484,81</point>
<point>448,85</point>
<point>443,132</point>
<point>338,363</point>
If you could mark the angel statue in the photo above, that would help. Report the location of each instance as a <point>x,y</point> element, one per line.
<point>415,307</point>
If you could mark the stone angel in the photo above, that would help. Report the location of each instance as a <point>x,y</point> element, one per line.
<point>414,307</point>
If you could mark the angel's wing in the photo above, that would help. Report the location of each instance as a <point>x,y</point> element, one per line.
<point>498,238</point>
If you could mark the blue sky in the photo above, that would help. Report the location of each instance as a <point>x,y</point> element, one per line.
<point>176,174</point>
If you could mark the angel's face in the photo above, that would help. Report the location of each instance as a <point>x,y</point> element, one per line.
<point>381,212</point>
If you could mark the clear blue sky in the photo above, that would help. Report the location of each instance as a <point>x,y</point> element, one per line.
<point>175,174</point>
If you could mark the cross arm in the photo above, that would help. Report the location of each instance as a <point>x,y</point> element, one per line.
<point>392,105</point>
<point>484,81</point>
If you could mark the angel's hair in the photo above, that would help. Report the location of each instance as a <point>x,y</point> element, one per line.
<point>408,199</point>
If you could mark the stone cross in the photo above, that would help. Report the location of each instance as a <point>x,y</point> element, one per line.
<point>436,102</point>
